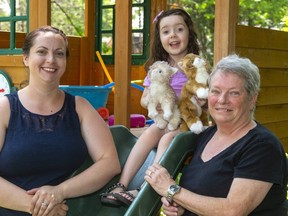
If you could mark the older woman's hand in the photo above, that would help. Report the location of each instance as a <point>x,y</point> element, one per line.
<point>44,199</point>
<point>159,178</point>
<point>171,209</point>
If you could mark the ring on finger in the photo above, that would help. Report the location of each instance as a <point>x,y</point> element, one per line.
<point>44,204</point>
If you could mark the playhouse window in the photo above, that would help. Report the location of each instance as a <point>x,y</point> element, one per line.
<point>13,25</point>
<point>105,30</point>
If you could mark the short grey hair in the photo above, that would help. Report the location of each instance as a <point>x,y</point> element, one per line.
<point>242,67</point>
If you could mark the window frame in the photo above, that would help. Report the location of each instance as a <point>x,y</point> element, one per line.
<point>137,59</point>
<point>13,18</point>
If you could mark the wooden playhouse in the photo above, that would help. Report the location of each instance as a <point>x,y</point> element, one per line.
<point>267,48</point>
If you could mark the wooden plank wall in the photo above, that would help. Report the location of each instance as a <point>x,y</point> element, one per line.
<point>72,74</point>
<point>268,49</point>
<point>13,64</point>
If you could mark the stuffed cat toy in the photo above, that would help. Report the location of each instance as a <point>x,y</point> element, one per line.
<point>161,93</point>
<point>197,70</point>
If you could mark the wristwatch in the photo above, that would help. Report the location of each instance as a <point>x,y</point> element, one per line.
<point>172,190</point>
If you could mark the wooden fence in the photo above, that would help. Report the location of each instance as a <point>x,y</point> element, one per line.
<point>268,49</point>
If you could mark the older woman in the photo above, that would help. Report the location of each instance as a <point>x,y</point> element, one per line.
<point>239,167</point>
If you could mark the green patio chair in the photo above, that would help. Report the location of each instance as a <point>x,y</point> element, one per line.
<point>147,202</point>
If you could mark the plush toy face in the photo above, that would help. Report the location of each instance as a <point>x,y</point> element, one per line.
<point>186,64</point>
<point>187,61</point>
<point>190,63</point>
<point>161,71</point>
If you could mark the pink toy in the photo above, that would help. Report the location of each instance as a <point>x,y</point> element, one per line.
<point>136,120</point>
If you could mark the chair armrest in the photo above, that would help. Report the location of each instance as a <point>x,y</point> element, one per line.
<point>148,202</point>
<point>90,204</point>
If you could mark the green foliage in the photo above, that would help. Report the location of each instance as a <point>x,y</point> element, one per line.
<point>202,14</point>
<point>68,16</point>
<point>264,13</point>
<point>285,21</point>
<point>272,14</point>
<point>106,49</point>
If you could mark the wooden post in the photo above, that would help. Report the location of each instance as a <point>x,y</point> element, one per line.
<point>123,22</point>
<point>87,54</point>
<point>39,13</point>
<point>226,13</point>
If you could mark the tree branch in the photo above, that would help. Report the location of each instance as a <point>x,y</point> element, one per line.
<point>68,17</point>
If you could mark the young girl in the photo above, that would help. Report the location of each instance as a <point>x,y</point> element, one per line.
<point>174,37</point>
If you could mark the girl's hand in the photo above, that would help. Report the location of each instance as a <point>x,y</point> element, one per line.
<point>171,209</point>
<point>159,108</point>
<point>44,199</point>
<point>59,210</point>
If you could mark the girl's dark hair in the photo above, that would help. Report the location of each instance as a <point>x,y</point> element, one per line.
<point>157,52</point>
<point>30,38</point>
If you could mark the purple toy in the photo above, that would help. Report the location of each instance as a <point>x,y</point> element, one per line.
<point>136,120</point>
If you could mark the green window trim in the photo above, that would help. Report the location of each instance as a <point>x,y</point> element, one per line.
<point>12,19</point>
<point>107,29</point>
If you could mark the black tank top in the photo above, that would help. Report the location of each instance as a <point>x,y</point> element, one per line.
<point>41,150</point>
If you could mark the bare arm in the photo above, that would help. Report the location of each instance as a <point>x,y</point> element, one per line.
<point>11,196</point>
<point>102,150</point>
<point>144,98</point>
<point>15,198</point>
<point>244,195</point>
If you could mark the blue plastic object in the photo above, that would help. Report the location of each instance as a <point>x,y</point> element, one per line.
<point>134,85</point>
<point>96,95</point>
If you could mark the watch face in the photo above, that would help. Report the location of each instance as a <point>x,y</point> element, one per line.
<point>174,188</point>
<point>5,84</point>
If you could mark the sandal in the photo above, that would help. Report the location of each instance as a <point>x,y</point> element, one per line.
<point>114,202</point>
<point>127,201</point>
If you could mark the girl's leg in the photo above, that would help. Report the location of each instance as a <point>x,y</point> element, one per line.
<point>132,165</point>
<point>164,143</point>
<point>146,142</point>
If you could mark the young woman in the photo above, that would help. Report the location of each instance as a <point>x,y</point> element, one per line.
<point>46,134</point>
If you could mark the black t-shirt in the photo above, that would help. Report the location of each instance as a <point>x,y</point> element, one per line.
<point>258,155</point>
